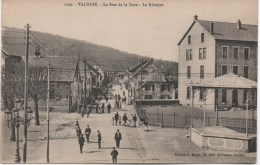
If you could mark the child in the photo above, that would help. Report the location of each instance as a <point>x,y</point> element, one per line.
<point>120,121</point>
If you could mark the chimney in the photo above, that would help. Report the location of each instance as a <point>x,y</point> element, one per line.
<point>239,24</point>
<point>211,28</point>
<point>195,17</point>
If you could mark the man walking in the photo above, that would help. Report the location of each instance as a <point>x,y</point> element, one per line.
<point>81,142</point>
<point>114,155</point>
<point>108,108</point>
<point>99,139</point>
<point>78,131</point>
<point>125,118</point>
<point>118,137</point>
<point>87,132</point>
<point>116,117</point>
<point>103,107</point>
<point>134,120</point>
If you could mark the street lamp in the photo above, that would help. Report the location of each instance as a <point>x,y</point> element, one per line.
<point>18,122</point>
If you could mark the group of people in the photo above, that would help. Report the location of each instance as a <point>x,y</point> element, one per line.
<point>127,122</point>
<point>101,108</point>
<point>81,140</point>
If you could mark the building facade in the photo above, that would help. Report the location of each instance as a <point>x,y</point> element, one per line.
<point>210,49</point>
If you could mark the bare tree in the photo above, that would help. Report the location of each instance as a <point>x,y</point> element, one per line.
<point>38,83</point>
<point>12,83</point>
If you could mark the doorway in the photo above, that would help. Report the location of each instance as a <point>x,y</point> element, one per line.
<point>235,98</point>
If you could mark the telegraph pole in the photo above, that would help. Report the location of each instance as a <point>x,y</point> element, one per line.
<point>26,94</point>
<point>78,99</point>
<point>85,84</point>
<point>48,121</point>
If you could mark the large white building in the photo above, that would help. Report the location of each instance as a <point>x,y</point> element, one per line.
<point>210,49</point>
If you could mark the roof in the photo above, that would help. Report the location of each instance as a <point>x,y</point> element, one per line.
<point>140,66</point>
<point>152,77</point>
<point>227,31</point>
<point>229,81</point>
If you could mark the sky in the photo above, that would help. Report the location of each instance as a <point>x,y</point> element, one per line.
<point>144,30</point>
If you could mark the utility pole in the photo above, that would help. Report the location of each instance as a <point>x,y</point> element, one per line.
<point>26,94</point>
<point>85,84</point>
<point>48,121</point>
<point>160,79</point>
<point>78,76</point>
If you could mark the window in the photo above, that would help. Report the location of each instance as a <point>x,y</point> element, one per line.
<point>189,39</point>
<point>200,53</point>
<point>201,72</point>
<point>246,53</point>
<point>188,92</point>
<point>235,69</point>
<point>202,94</point>
<point>224,95</point>
<point>189,54</point>
<point>235,52</point>
<point>202,37</point>
<point>52,91</point>
<point>223,69</point>
<point>204,53</point>
<point>246,70</point>
<point>245,95</point>
<point>224,52</point>
<point>188,72</point>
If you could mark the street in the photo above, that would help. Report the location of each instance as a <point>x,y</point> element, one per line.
<point>158,145</point>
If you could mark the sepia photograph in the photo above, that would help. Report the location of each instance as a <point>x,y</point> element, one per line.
<point>129,81</point>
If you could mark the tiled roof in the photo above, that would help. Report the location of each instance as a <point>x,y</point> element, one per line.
<point>229,31</point>
<point>152,77</point>
<point>230,81</point>
<point>140,66</point>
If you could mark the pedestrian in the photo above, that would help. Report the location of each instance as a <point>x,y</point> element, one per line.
<point>119,101</point>
<point>125,119</point>
<point>103,107</point>
<point>117,104</point>
<point>116,117</point>
<point>108,108</point>
<point>114,155</point>
<point>134,120</point>
<point>118,137</point>
<point>87,132</point>
<point>78,131</point>
<point>106,98</point>
<point>82,111</point>
<point>77,124</point>
<point>123,93</point>
<point>99,139</point>
<point>97,108</point>
<point>146,123</point>
<point>81,142</point>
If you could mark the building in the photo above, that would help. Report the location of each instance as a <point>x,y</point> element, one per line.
<point>145,81</point>
<point>209,49</point>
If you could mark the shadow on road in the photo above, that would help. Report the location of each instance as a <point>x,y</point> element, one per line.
<point>90,151</point>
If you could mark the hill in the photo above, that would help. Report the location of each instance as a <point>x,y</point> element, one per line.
<point>55,45</point>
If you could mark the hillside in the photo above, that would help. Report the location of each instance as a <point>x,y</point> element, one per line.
<point>54,45</point>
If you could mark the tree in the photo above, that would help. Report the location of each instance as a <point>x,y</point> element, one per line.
<point>12,83</point>
<point>38,83</point>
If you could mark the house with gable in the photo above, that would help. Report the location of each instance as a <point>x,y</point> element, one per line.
<point>146,81</point>
<point>210,49</point>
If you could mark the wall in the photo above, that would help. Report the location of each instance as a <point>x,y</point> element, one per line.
<point>195,63</point>
<point>240,62</point>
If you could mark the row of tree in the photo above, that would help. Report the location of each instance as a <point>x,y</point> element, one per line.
<point>12,87</point>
